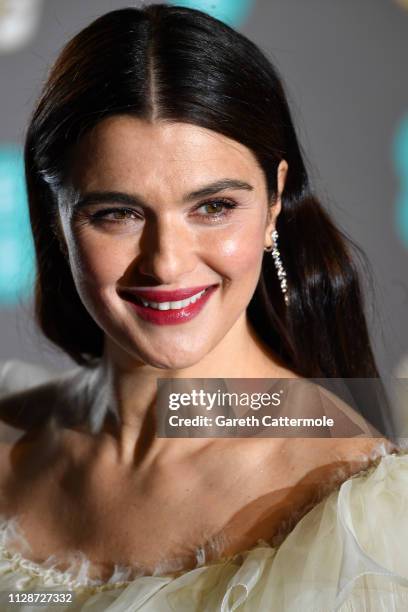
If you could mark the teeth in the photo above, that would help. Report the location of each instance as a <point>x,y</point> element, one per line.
<point>173,305</point>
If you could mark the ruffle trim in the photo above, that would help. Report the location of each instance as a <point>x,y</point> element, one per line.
<point>75,577</point>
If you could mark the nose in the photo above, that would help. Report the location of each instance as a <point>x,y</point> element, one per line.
<point>167,251</point>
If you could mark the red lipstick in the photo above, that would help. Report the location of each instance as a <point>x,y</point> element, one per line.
<point>171,316</point>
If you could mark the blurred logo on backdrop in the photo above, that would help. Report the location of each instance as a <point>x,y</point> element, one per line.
<point>400,155</point>
<point>19,21</point>
<point>232,12</point>
<point>400,160</point>
<point>16,245</point>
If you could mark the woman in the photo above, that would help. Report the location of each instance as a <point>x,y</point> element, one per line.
<point>162,164</point>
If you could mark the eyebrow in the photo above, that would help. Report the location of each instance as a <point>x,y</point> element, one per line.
<point>108,197</point>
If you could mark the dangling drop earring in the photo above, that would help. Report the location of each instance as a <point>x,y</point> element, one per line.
<point>278,264</point>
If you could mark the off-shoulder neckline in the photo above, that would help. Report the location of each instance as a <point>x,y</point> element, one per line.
<point>81,579</point>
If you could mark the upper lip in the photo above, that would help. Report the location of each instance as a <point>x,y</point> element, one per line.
<point>156,295</point>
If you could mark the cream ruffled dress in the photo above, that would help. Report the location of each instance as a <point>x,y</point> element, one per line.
<point>348,553</point>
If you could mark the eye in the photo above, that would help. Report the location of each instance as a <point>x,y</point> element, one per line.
<point>116,215</point>
<point>217,208</point>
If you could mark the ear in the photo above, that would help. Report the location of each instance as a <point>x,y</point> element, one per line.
<point>274,208</point>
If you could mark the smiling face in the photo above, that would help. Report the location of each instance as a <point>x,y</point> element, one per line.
<point>135,219</point>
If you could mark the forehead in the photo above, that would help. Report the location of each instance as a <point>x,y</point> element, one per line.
<point>124,149</point>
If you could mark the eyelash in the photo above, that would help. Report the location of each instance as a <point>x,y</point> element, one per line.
<point>101,215</point>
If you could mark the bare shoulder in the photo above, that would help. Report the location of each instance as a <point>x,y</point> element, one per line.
<point>62,395</point>
<point>22,411</point>
<point>30,409</point>
<point>34,444</point>
<point>22,414</point>
<point>27,394</point>
<point>325,462</point>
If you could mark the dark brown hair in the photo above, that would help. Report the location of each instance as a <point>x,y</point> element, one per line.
<point>178,64</point>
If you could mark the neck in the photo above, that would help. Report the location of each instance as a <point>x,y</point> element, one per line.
<point>130,390</point>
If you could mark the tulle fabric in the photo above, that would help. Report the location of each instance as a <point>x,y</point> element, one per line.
<point>348,554</point>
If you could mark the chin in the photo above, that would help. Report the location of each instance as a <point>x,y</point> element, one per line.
<point>174,359</point>
<point>173,362</point>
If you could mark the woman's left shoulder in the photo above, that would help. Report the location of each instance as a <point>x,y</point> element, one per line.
<point>350,552</point>
<point>378,492</point>
<point>372,526</point>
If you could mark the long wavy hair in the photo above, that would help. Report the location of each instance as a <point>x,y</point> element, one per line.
<point>171,63</point>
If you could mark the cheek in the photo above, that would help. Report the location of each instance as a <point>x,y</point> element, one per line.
<point>98,261</point>
<point>238,253</point>
<point>239,258</point>
<point>97,265</point>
